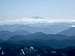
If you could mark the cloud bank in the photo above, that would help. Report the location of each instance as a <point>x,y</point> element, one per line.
<point>34,20</point>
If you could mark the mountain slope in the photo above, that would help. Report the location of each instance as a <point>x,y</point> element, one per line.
<point>45,28</point>
<point>5,35</point>
<point>37,36</point>
<point>68,32</point>
<point>51,40</point>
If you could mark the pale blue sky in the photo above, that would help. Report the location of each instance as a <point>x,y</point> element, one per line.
<point>59,8</point>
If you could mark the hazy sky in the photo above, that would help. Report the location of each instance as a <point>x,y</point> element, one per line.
<point>37,8</point>
<point>54,9</point>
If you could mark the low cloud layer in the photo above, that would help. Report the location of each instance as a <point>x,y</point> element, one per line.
<point>34,20</point>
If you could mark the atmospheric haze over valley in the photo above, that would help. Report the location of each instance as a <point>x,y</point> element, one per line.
<point>37,27</point>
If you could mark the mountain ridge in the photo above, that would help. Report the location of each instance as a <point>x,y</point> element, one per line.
<point>68,32</point>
